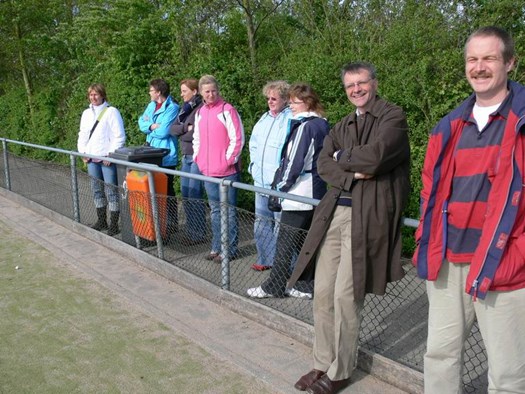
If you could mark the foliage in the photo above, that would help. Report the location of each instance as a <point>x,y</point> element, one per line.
<point>61,46</point>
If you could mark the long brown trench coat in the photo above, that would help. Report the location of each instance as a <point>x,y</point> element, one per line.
<point>380,148</point>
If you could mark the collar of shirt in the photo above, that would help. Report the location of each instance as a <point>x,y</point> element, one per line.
<point>97,108</point>
<point>503,109</point>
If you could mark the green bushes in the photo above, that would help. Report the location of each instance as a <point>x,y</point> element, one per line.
<point>416,46</point>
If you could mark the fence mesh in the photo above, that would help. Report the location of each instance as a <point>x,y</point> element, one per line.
<point>394,325</point>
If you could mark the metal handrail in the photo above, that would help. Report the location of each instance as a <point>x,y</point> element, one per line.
<point>147,167</point>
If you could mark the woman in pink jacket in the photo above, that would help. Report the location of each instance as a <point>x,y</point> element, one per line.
<point>218,139</point>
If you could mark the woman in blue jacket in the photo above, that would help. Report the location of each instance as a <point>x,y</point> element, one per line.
<point>155,122</point>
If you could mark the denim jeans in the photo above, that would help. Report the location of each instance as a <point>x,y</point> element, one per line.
<point>265,229</point>
<point>192,191</point>
<point>104,183</point>
<point>212,190</point>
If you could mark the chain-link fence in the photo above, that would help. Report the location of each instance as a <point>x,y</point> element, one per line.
<point>394,325</point>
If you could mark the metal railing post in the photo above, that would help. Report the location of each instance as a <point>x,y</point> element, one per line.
<point>74,188</point>
<point>155,214</point>
<point>6,167</point>
<point>225,235</point>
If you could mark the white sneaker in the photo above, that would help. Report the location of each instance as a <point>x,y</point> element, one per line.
<point>258,292</point>
<point>298,294</point>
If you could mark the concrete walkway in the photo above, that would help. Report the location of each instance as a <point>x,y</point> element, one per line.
<point>254,349</point>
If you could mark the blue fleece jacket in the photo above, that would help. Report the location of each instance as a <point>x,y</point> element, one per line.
<point>161,137</point>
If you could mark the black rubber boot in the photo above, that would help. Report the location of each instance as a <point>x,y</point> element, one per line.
<point>102,222</point>
<point>113,223</point>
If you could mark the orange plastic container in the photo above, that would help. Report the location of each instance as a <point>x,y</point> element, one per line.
<point>140,207</point>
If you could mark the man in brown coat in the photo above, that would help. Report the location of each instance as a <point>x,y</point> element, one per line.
<point>355,237</point>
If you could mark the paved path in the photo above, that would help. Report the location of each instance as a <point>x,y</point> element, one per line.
<point>255,350</point>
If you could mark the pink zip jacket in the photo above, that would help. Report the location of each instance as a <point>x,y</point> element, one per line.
<point>218,139</point>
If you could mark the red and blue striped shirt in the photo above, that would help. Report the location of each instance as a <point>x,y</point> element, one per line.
<point>475,160</point>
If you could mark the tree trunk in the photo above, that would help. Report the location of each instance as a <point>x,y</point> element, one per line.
<point>25,75</point>
<point>250,28</point>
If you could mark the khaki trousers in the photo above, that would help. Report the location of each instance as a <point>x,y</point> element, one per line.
<point>337,316</point>
<point>501,319</point>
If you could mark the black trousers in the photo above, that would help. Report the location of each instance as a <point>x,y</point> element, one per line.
<point>289,243</point>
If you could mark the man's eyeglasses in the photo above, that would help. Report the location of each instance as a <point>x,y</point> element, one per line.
<point>358,84</point>
<point>271,99</point>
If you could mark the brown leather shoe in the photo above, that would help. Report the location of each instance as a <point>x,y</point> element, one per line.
<point>308,379</point>
<point>324,385</point>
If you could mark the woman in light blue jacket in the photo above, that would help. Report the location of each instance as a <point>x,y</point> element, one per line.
<point>266,142</point>
<point>155,122</point>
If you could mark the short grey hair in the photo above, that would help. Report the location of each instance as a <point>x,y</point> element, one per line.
<point>280,87</point>
<point>354,68</point>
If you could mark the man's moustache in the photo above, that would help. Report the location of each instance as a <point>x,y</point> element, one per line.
<point>476,75</point>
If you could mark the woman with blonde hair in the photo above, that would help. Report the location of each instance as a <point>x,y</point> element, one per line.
<point>218,140</point>
<point>266,142</point>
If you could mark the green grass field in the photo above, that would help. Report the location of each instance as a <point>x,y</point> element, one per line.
<point>62,333</point>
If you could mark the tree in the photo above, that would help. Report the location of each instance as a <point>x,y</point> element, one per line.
<point>255,13</point>
<point>53,49</point>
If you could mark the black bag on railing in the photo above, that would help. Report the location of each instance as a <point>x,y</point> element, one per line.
<point>274,204</point>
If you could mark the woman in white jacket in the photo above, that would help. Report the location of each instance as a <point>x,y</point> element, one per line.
<point>102,132</point>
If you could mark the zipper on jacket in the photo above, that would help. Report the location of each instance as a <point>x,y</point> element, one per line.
<point>444,213</point>
<point>264,150</point>
<point>475,282</point>
<point>475,290</point>
<point>208,141</point>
